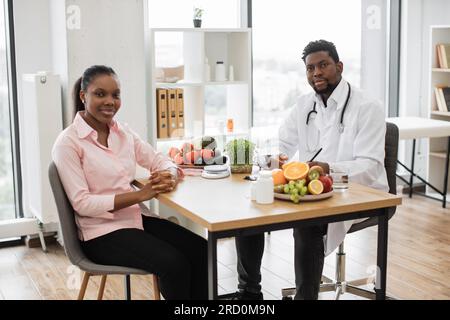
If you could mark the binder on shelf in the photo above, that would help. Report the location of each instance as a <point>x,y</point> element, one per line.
<point>172,112</point>
<point>162,119</point>
<point>180,111</point>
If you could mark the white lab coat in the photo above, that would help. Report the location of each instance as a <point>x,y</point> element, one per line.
<point>359,149</point>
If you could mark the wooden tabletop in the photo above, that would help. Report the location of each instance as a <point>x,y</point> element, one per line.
<point>415,127</point>
<point>225,204</point>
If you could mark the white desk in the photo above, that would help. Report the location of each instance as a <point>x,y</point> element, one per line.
<point>417,128</point>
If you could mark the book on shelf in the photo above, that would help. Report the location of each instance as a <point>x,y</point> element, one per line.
<point>162,119</point>
<point>443,52</point>
<point>446,96</point>
<point>442,99</point>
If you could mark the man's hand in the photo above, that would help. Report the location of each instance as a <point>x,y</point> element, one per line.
<point>325,166</point>
<point>163,181</point>
<point>282,159</point>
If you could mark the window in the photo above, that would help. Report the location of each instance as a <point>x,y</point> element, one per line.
<point>7,200</point>
<point>358,28</point>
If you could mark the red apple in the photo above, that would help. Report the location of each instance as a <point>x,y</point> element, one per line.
<point>188,157</point>
<point>173,152</point>
<point>197,157</point>
<point>327,183</point>
<point>207,156</point>
<point>178,158</point>
<point>187,147</point>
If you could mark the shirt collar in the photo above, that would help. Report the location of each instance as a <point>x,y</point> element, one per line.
<point>339,95</point>
<point>84,129</point>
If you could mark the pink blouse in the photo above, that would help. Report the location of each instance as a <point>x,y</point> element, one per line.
<point>93,174</point>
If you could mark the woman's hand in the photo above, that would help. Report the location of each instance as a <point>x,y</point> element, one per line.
<point>147,192</point>
<point>163,181</point>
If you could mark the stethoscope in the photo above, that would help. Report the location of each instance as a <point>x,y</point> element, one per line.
<point>341,122</point>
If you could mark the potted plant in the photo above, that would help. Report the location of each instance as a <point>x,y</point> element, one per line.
<point>198,12</point>
<point>240,153</point>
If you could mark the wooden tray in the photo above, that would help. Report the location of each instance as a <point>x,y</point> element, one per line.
<point>309,197</point>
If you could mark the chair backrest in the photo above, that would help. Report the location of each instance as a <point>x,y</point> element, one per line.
<point>391,155</point>
<point>66,215</point>
<point>390,164</point>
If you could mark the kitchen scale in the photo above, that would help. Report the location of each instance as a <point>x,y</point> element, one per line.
<point>216,172</point>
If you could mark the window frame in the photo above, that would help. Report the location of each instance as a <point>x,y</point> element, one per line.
<point>13,106</point>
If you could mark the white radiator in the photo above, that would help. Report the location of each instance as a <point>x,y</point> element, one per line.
<point>41,123</point>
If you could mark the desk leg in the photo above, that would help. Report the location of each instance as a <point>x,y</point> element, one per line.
<point>444,196</point>
<point>212,266</point>
<point>382,249</point>
<point>412,168</point>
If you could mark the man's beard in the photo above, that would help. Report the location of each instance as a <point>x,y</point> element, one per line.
<point>328,90</point>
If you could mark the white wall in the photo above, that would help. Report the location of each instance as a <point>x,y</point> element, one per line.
<point>373,48</point>
<point>418,16</point>
<point>110,32</point>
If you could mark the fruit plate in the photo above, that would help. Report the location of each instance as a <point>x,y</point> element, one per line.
<point>309,197</point>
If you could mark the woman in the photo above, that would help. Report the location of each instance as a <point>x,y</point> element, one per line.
<point>96,157</point>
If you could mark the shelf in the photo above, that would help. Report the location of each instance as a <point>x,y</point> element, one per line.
<point>198,84</point>
<point>216,133</point>
<point>178,84</point>
<point>440,70</point>
<point>200,30</point>
<point>439,154</point>
<point>441,113</point>
<point>173,139</point>
<point>224,83</point>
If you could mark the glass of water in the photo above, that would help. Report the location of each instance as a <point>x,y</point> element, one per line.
<point>340,180</point>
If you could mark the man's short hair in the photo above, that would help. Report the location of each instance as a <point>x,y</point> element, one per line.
<point>321,45</point>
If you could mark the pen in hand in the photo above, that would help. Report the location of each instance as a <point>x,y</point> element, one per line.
<point>317,153</point>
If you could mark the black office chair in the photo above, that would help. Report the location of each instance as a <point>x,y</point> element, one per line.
<point>340,285</point>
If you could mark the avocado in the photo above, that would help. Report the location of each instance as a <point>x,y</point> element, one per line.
<point>209,143</point>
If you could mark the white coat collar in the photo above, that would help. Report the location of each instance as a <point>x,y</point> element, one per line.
<point>339,95</point>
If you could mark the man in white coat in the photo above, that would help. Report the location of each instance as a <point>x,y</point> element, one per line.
<point>350,129</point>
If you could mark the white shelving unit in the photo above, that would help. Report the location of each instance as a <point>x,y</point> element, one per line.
<point>190,48</point>
<point>438,77</point>
<point>206,103</point>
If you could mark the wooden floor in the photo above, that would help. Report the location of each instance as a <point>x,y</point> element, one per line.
<point>418,262</point>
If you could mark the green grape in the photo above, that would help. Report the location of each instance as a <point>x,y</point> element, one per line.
<point>300,184</point>
<point>295,198</point>
<point>303,191</point>
<point>291,183</point>
<point>286,188</point>
<point>294,191</point>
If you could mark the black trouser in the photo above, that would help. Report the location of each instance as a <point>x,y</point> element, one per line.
<point>308,260</point>
<point>176,255</point>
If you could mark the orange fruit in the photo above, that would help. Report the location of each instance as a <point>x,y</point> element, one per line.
<point>278,177</point>
<point>284,166</point>
<point>296,171</point>
<point>315,187</point>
